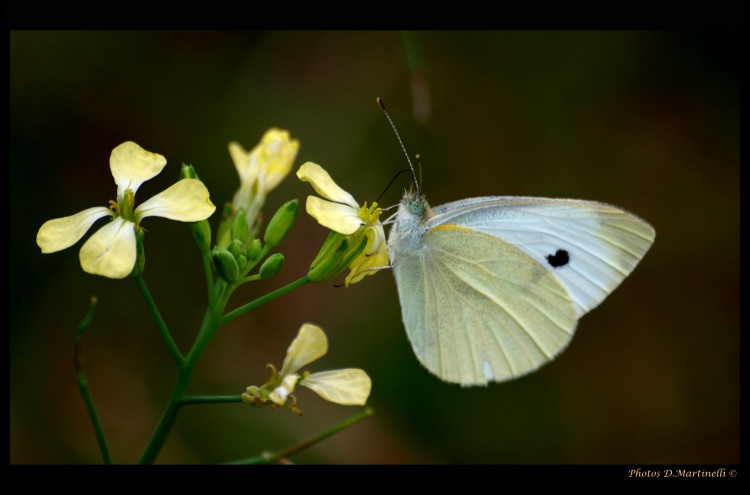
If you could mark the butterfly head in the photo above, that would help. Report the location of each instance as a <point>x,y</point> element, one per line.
<point>416,204</point>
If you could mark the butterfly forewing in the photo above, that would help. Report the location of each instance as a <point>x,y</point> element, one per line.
<point>590,247</point>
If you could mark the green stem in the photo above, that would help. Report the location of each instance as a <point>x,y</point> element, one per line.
<point>208,272</point>
<point>273,457</point>
<point>209,399</point>
<point>176,354</point>
<point>251,278</point>
<point>212,321</point>
<point>264,299</point>
<point>83,384</point>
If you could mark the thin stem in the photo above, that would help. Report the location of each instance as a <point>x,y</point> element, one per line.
<point>208,272</point>
<point>168,418</point>
<point>190,400</point>
<point>251,278</point>
<point>83,384</point>
<point>273,457</point>
<point>209,326</point>
<point>212,321</point>
<point>264,299</point>
<point>176,354</point>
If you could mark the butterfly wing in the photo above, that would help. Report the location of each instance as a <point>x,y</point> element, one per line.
<point>590,247</point>
<point>492,288</point>
<point>478,309</point>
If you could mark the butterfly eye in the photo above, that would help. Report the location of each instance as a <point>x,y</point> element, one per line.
<point>416,206</point>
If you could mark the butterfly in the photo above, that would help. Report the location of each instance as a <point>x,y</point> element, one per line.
<point>492,288</point>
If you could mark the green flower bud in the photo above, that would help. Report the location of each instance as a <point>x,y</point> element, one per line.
<point>241,262</point>
<point>271,266</point>
<point>239,229</point>
<point>254,250</point>
<point>226,265</point>
<point>281,223</point>
<point>235,247</point>
<point>202,234</point>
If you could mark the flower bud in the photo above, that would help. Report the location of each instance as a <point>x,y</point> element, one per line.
<point>202,234</point>
<point>271,266</point>
<point>235,247</point>
<point>254,250</point>
<point>239,229</point>
<point>226,265</point>
<point>281,223</point>
<point>241,262</point>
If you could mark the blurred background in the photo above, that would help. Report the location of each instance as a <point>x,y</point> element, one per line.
<point>648,121</point>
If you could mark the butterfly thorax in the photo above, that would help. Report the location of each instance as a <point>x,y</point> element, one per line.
<point>411,218</point>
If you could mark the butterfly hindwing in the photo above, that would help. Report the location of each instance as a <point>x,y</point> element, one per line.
<point>478,309</point>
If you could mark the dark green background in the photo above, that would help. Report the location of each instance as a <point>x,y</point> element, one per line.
<point>645,120</point>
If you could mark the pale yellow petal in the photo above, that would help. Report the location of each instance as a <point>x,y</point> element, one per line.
<point>131,166</point>
<point>375,238</point>
<point>335,216</point>
<point>278,152</point>
<point>348,387</point>
<point>242,162</point>
<point>60,233</point>
<point>185,201</point>
<point>310,344</point>
<point>110,252</point>
<point>365,265</point>
<point>324,185</point>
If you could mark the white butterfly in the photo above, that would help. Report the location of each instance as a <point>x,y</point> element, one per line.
<point>492,288</point>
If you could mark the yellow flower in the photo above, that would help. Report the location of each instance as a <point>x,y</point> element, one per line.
<point>261,170</point>
<point>111,251</point>
<point>340,212</point>
<point>349,387</point>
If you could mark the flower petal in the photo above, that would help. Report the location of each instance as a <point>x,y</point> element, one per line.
<point>324,185</point>
<point>110,252</point>
<point>185,201</point>
<point>310,344</point>
<point>335,216</point>
<point>60,233</point>
<point>348,387</point>
<point>131,166</point>
<point>375,255</point>
<point>276,155</point>
<point>243,162</point>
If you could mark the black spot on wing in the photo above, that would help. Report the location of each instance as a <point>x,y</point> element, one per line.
<point>559,259</point>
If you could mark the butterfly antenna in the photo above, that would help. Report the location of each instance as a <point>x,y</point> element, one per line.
<point>418,158</point>
<point>393,126</point>
<point>391,183</point>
